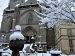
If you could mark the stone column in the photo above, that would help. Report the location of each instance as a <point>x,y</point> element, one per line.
<point>13,24</point>
<point>17,14</point>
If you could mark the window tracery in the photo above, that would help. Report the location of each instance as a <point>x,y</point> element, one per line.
<point>30,18</point>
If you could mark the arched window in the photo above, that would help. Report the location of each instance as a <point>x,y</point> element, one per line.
<point>30,18</point>
<point>28,32</point>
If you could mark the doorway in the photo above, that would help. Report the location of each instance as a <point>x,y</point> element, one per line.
<point>28,39</point>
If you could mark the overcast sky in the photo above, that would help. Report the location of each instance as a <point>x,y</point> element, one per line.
<point>3,5</point>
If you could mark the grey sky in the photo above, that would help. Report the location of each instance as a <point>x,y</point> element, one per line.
<point>3,5</point>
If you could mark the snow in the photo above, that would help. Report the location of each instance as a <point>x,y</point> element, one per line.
<point>17,5</point>
<point>31,47</point>
<point>39,13</point>
<point>42,7</point>
<point>17,34</point>
<point>56,12</point>
<point>9,10</point>
<point>26,0</point>
<point>59,1</point>
<point>32,37</point>
<point>8,52</point>
<point>40,24</point>
<point>1,50</point>
<point>55,52</point>
<point>17,27</point>
<point>72,8</point>
<point>25,46</point>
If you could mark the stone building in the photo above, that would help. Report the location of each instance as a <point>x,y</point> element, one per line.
<point>65,37</point>
<point>21,12</point>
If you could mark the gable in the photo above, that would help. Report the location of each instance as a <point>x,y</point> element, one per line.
<point>28,17</point>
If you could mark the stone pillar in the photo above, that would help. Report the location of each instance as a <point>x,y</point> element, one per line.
<point>17,14</point>
<point>13,24</point>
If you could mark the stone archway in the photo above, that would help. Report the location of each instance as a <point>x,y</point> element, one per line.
<point>28,32</point>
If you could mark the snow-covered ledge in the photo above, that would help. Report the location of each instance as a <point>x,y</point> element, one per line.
<point>55,52</point>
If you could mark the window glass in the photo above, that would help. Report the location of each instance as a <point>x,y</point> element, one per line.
<point>30,18</point>
<point>69,32</point>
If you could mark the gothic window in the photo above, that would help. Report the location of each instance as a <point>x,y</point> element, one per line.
<point>69,32</point>
<point>30,18</point>
<point>71,50</point>
<point>70,43</point>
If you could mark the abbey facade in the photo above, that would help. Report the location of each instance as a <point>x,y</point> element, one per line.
<point>21,12</point>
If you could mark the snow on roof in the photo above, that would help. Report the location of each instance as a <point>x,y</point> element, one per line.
<point>9,10</point>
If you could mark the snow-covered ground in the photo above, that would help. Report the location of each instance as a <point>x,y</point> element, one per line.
<point>8,52</point>
<point>32,54</point>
